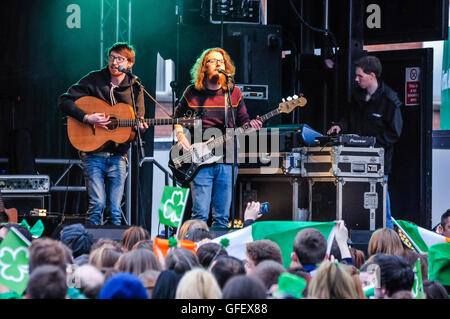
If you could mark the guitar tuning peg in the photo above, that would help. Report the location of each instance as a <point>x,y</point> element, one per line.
<point>295,97</point>
<point>283,100</point>
<point>289,98</point>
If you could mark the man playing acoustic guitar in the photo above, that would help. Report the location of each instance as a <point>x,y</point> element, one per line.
<point>105,169</point>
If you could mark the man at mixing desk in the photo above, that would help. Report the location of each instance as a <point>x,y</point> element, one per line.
<point>374,110</point>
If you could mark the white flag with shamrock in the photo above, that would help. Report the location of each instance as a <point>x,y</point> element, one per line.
<point>173,203</point>
<point>14,261</point>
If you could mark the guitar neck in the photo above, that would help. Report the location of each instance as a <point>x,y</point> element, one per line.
<point>151,122</point>
<point>241,130</point>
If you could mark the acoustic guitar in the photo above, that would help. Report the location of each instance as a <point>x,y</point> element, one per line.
<point>87,137</point>
<point>8,215</point>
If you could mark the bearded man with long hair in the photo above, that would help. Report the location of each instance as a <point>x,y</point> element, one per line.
<point>207,96</point>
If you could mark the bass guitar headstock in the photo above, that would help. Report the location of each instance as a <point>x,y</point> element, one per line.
<point>290,103</point>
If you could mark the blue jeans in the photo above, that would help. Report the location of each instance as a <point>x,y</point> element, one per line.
<point>105,180</point>
<point>388,206</point>
<point>213,182</point>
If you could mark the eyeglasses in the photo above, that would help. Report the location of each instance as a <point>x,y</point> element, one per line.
<point>221,61</point>
<point>119,59</point>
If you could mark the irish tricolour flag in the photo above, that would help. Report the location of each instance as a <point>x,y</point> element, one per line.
<point>420,238</point>
<point>281,232</point>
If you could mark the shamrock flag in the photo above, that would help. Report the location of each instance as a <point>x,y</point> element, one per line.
<point>172,205</point>
<point>417,289</point>
<point>14,261</point>
<point>281,232</point>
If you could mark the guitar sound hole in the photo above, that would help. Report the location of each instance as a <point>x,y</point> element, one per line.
<point>114,123</point>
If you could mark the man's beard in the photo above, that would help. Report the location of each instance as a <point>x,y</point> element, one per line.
<point>216,78</point>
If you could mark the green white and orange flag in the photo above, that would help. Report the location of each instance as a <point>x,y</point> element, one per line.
<point>281,232</point>
<point>420,238</point>
<point>14,261</point>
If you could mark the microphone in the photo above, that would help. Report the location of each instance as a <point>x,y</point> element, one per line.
<point>128,72</point>
<point>228,75</point>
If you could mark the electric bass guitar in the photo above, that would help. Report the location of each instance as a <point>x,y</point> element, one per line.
<point>87,137</point>
<point>8,215</point>
<point>185,166</point>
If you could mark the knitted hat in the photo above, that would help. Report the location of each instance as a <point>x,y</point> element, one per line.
<point>439,263</point>
<point>77,238</point>
<point>290,284</point>
<point>123,286</point>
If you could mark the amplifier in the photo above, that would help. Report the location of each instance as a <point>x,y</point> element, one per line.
<point>254,91</point>
<point>24,184</point>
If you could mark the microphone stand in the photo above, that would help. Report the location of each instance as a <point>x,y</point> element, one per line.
<point>173,86</point>
<point>139,144</point>
<point>233,118</point>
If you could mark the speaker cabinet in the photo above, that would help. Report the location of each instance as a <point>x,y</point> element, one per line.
<point>282,193</point>
<point>107,231</point>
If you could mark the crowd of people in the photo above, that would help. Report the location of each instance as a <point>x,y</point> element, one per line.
<point>70,264</point>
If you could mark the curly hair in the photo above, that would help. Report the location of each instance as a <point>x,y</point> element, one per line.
<point>198,69</point>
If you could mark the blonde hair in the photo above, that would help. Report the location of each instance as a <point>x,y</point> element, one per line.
<point>385,241</point>
<point>331,281</point>
<point>198,69</point>
<point>198,283</point>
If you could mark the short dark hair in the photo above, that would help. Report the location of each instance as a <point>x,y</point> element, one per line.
<point>181,260</point>
<point>310,246</point>
<point>47,282</point>
<point>370,64</point>
<point>264,249</point>
<point>197,234</point>
<point>207,252</point>
<point>445,218</point>
<point>434,290</point>
<point>395,273</point>
<point>226,267</point>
